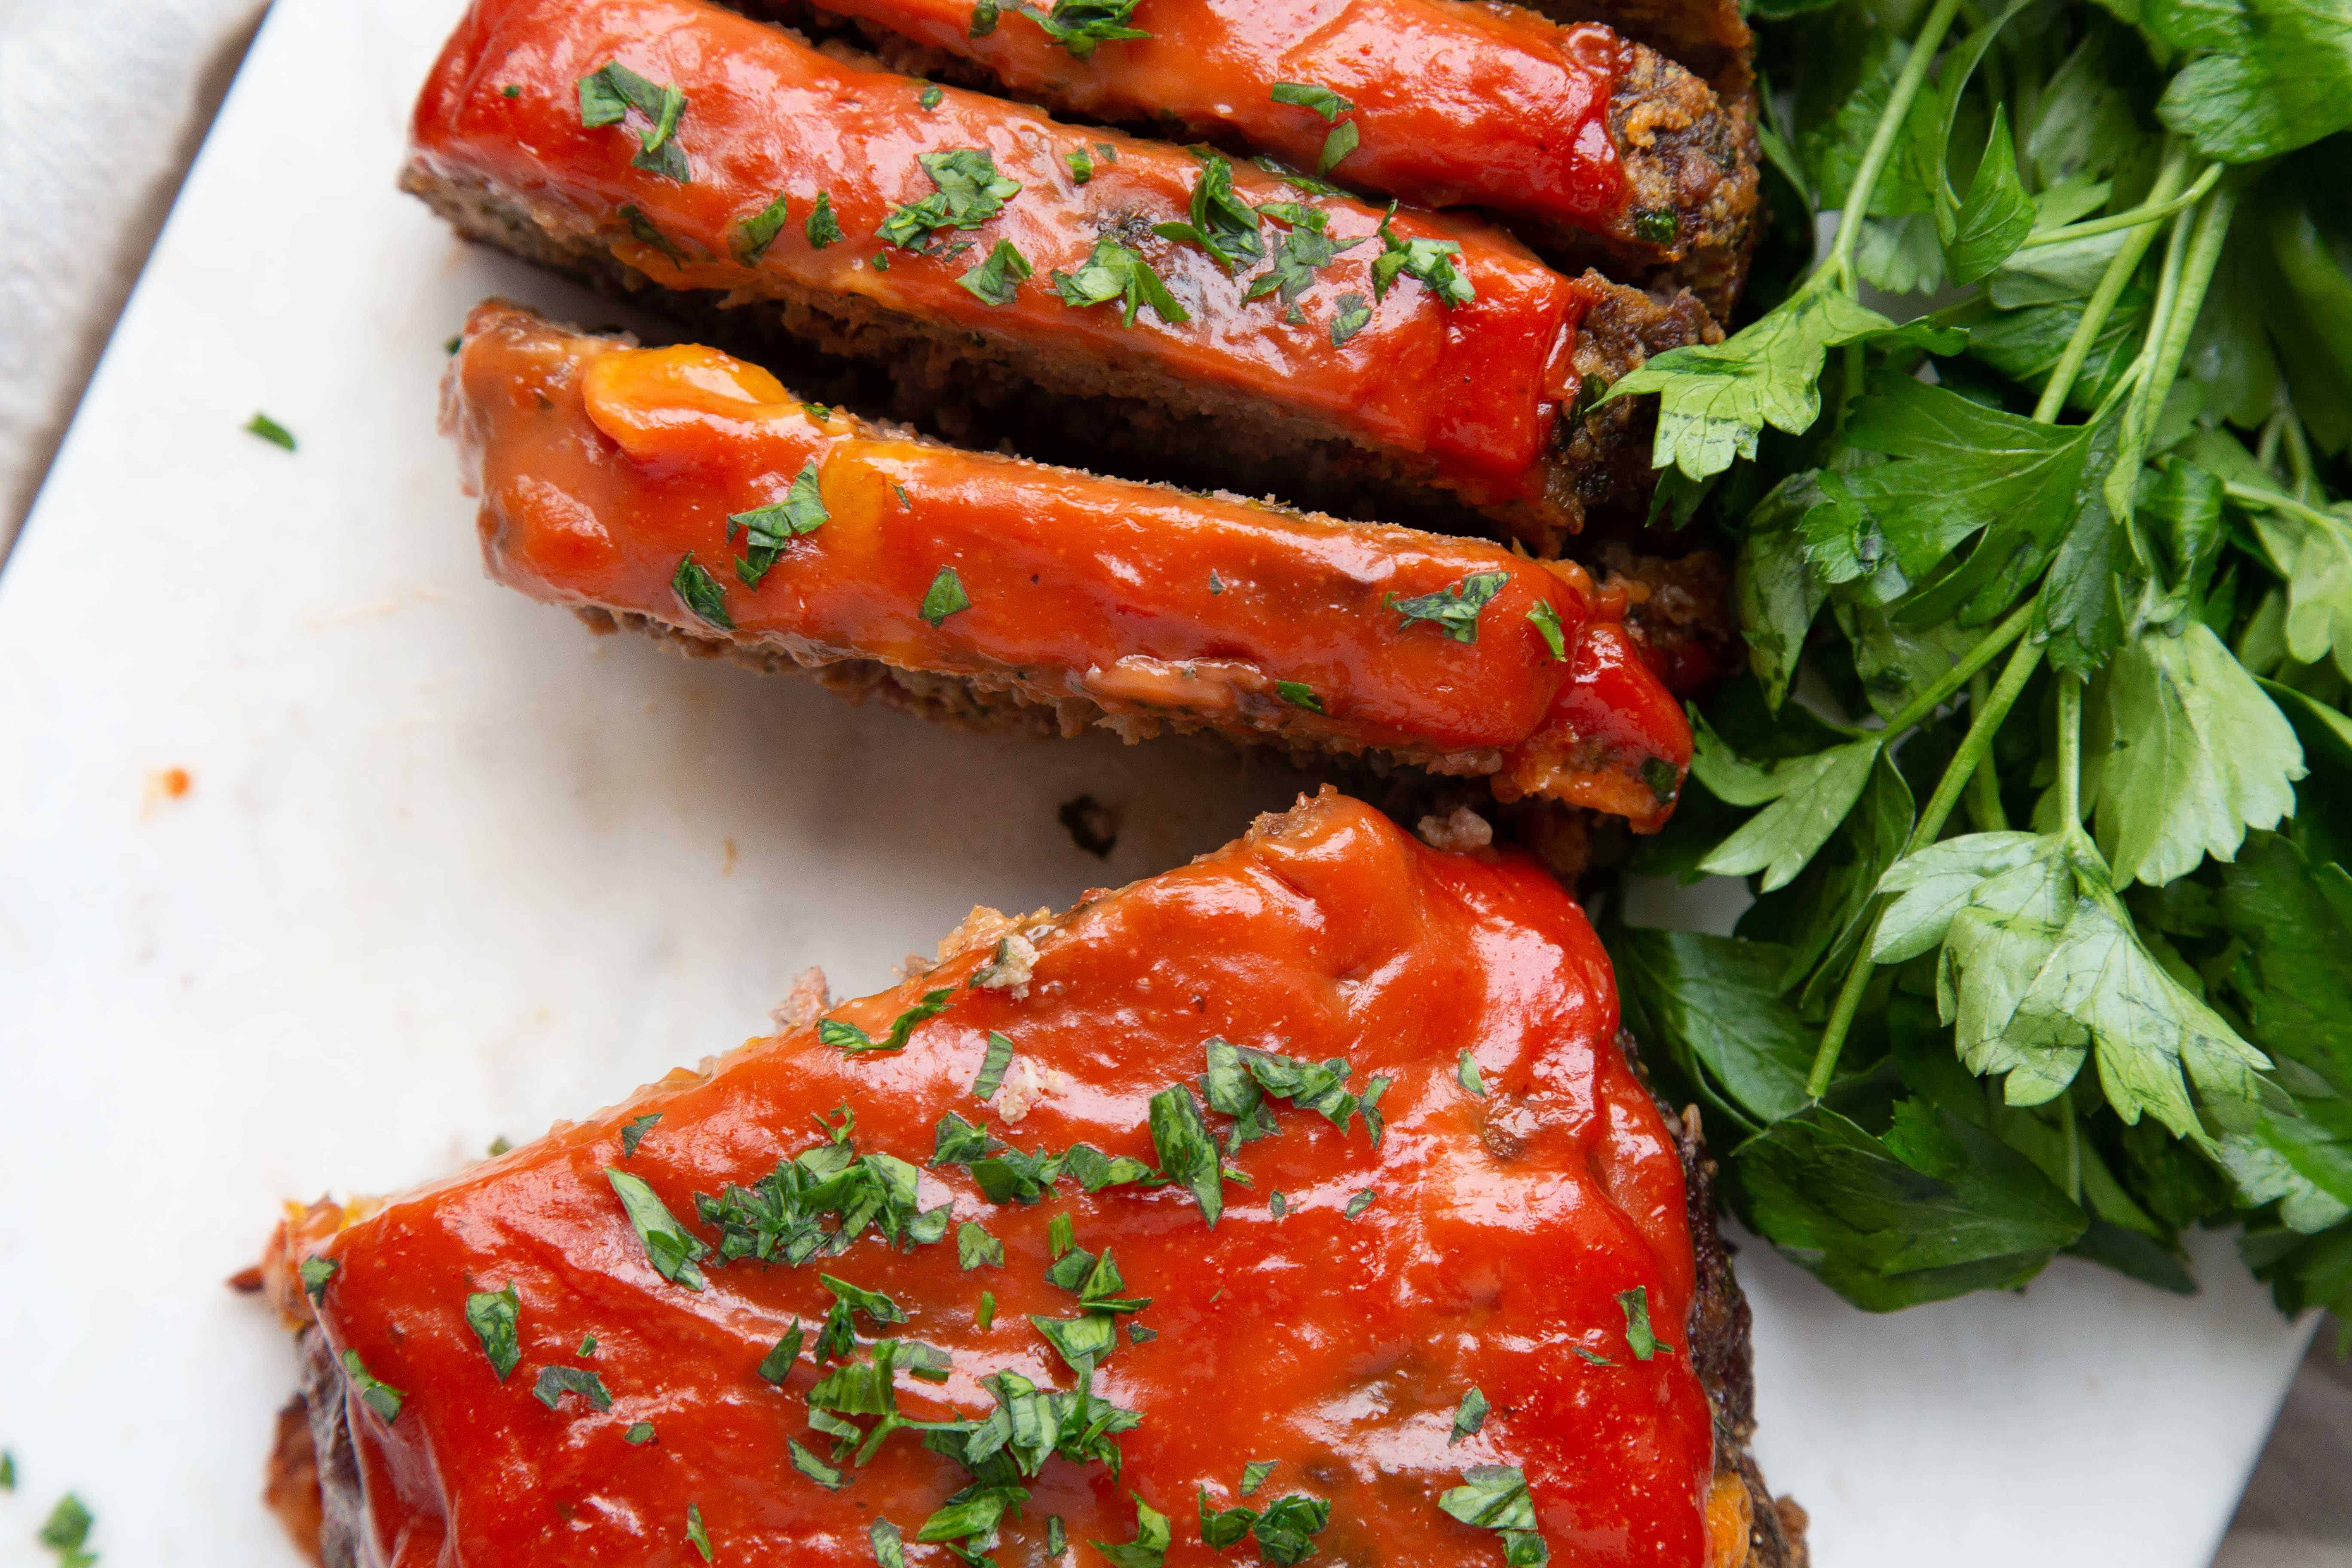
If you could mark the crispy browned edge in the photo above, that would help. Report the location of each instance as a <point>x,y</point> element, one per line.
<point>313,1475</point>
<point>983,390</point>
<point>1683,152</point>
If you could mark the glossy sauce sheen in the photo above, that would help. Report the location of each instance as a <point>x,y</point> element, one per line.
<point>1473,391</point>
<point>1454,103</point>
<point>1504,1229</point>
<point>600,467</point>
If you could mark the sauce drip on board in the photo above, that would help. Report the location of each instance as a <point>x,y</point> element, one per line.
<point>1506,1226</point>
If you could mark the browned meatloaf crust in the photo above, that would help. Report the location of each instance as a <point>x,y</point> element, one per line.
<point>1682,150</point>
<point>314,1484</point>
<point>1117,418</point>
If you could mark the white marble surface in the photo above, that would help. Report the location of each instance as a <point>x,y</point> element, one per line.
<point>448,868</point>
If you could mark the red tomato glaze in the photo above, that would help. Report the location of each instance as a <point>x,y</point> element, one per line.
<point>1472,389</point>
<point>602,467</point>
<point>1504,1228</point>
<point>1486,105</point>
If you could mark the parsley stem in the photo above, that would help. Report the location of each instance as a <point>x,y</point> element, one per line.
<point>1984,783</point>
<point>1920,708</point>
<point>2146,212</point>
<point>2298,456</point>
<point>1882,139</point>
<point>1983,725</point>
<point>2102,299</point>
<point>2066,1120</point>
<point>2070,750</point>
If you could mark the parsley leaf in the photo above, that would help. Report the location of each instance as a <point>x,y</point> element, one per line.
<point>975,1248</point>
<point>1714,399</point>
<point>638,1434</point>
<point>969,192</point>
<point>1083,1342</point>
<point>670,1248</point>
<point>1453,610</point>
<point>943,599</point>
<point>699,592</point>
<point>635,1132</point>
<point>2272,74</point>
<point>696,1535</point>
<point>956,1142</point>
<point>827,1475</point>
<point>1081,166</point>
<point>493,1316</point>
<point>931,96</point>
<point>374,1392</point>
<point>2188,752</point>
<point>1468,1417</point>
<point>756,233</point>
<point>1186,1150</point>
<point>1306,248</point>
<point>1352,317</point>
<point>65,1531</point>
<point>889,1543</point>
<point>555,1381</point>
<point>1254,1475</point>
<point>1299,694</point>
<point>1639,1338</point>
<point>1466,1074</point>
<point>269,430</point>
<point>1362,1201</point>
<point>607,94</point>
<point>1492,1497</point>
<point>1804,799</point>
<point>1114,272</point>
<point>315,1272</point>
<point>849,1037</point>
<point>993,1065</point>
<point>821,227</point>
<point>1546,620</point>
<point>1078,26</point>
<point>998,279</point>
<point>1150,1547</point>
<point>767,529</point>
<point>1223,224</point>
<point>777,1364</point>
<point>1430,260</point>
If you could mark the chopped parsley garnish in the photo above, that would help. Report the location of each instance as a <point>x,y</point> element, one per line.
<point>931,96</point>
<point>1337,146</point>
<point>1591,391</point>
<point>1545,621</point>
<point>780,1216</point>
<point>1107,152</point>
<point>555,1381</point>
<point>606,95</point>
<point>1639,1337</point>
<point>756,233</point>
<point>269,430</point>
<point>1115,271</point>
<point>968,193</point>
<point>955,1141</point>
<point>1239,1078</point>
<point>1466,1074</point>
<point>1216,583</point>
<point>639,1434</point>
<point>1494,1497</point>
<point>976,1248</point>
<point>998,279</point>
<point>1186,1150</point>
<point>993,1065</point>
<point>1223,224</point>
<point>67,1531</point>
<point>1060,1235</point>
<point>1254,1475</point>
<point>670,1248</point>
<point>1330,106</point>
<point>1468,1417</point>
<point>493,1316</point>
<point>7,1471</point>
<point>1305,249</point>
<point>642,229</point>
<point>1430,260</point>
<point>985,1313</point>
<point>1076,24</point>
<point>510,90</point>
<point>1298,179</point>
<point>821,227</point>
<point>701,593</point>
<point>1083,1342</point>
<point>858,1299</point>
<point>945,597</point>
<point>1362,1201</point>
<point>777,1364</point>
<point>1057,1538</point>
<point>1095,1281</point>
<point>1136,1334</point>
<point>1659,775</point>
<point>587,1345</point>
<point>1277,1205</point>
<point>889,1545</point>
<point>1453,610</point>
<point>635,1132</point>
<point>1094,1170</point>
<point>1223,1527</point>
<point>1150,1547</point>
<point>695,1534</point>
<point>853,1039</point>
<point>1352,317</point>
<point>767,529</point>
<point>984,19</point>
<point>1655,225</point>
<point>315,1273</point>
<point>1595,1357</point>
<point>1286,1529</point>
<point>1299,694</point>
<point>374,1392</point>
<point>1009,1175</point>
<point>829,1476</point>
<point>1082,167</point>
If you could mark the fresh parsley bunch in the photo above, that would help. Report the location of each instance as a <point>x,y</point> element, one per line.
<point>2041,771</point>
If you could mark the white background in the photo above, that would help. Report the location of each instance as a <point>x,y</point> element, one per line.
<point>450,868</point>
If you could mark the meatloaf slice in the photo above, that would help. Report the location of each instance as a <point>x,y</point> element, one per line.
<point>1480,1195</point>
<point>1373,364</point>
